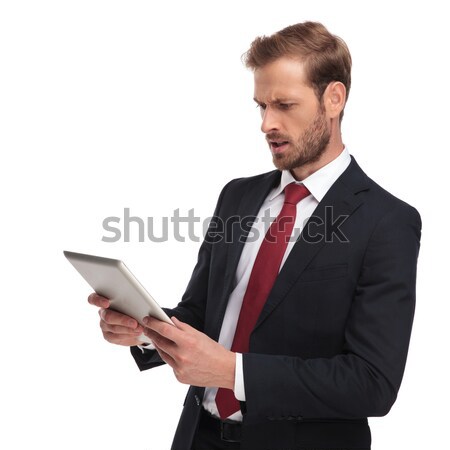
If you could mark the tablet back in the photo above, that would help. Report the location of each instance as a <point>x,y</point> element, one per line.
<point>112,279</point>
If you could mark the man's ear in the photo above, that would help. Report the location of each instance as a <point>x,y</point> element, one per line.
<point>334,99</point>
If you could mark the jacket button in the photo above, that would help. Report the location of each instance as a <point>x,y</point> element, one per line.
<point>197,400</point>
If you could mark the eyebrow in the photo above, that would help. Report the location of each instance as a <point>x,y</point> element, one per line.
<point>276,100</point>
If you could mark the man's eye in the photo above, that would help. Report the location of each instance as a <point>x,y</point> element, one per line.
<point>284,105</point>
<point>261,106</point>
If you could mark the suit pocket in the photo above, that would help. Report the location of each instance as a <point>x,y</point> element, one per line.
<point>324,273</point>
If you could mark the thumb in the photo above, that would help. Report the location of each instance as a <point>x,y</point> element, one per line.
<point>179,324</point>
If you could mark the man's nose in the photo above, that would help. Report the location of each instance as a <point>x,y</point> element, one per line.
<point>269,121</point>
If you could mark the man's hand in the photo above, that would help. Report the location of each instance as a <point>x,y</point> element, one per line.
<point>117,328</point>
<point>194,357</point>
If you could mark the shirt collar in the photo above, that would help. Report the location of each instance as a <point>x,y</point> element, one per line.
<point>318,182</point>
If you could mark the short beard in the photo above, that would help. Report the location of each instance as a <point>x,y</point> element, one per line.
<point>309,148</point>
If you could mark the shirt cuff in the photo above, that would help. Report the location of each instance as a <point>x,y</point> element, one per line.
<point>146,347</point>
<point>239,388</point>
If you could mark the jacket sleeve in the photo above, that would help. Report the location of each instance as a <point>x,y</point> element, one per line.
<point>364,379</point>
<point>191,308</point>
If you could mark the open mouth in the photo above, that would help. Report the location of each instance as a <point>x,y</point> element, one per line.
<point>278,146</point>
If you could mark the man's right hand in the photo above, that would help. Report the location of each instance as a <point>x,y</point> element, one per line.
<point>117,328</point>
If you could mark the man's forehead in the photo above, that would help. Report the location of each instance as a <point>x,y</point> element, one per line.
<point>280,79</point>
<point>284,68</point>
<point>279,91</point>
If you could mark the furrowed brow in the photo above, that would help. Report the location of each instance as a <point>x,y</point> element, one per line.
<point>275,101</point>
<point>281,100</point>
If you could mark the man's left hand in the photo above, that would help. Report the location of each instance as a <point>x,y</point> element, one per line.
<point>195,358</point>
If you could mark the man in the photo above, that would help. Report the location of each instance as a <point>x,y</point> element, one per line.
<point>291,343</point>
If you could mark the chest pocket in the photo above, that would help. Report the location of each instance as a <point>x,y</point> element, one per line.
<point>324,273</point>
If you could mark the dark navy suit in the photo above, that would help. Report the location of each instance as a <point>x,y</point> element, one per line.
<point>330,346</point>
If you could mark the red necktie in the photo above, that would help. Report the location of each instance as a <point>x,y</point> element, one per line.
<point>262,278</point>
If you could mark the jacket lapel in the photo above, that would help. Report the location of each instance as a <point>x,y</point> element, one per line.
<point>341,197</point>
<point>249,204</point>
<point>342,200</point>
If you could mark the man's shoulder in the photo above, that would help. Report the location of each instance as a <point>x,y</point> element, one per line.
<point>380,199</point>
<point>242,184</point>
<point>271,176</point>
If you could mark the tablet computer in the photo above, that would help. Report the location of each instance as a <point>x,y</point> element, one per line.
<point>112,279</point>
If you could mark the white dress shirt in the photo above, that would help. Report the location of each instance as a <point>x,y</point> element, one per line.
<point>318,184</point>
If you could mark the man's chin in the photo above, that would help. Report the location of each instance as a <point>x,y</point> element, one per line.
<point>281,162</point>
<point>278,161</point>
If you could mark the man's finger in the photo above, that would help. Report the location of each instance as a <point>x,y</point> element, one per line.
<point>119,329</point>
<point>115,318</point>
<point>121,339</point>
<point>181,325</point>
<point>162,342</point>
<point>98,300</point>
<point>165,356</point>
<point>164,329</point>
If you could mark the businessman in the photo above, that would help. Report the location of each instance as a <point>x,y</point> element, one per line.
<point>295,325</point>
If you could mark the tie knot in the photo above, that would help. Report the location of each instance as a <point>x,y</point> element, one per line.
<point>293,193</point>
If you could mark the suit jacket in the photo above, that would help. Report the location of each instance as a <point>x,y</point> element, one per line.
<point>330,346</point>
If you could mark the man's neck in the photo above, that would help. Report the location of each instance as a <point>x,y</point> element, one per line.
<point>330,154</point>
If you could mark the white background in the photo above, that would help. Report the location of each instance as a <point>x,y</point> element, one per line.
<point>106,105</point>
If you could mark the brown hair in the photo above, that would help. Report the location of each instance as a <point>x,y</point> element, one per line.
<point>326,57</point>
